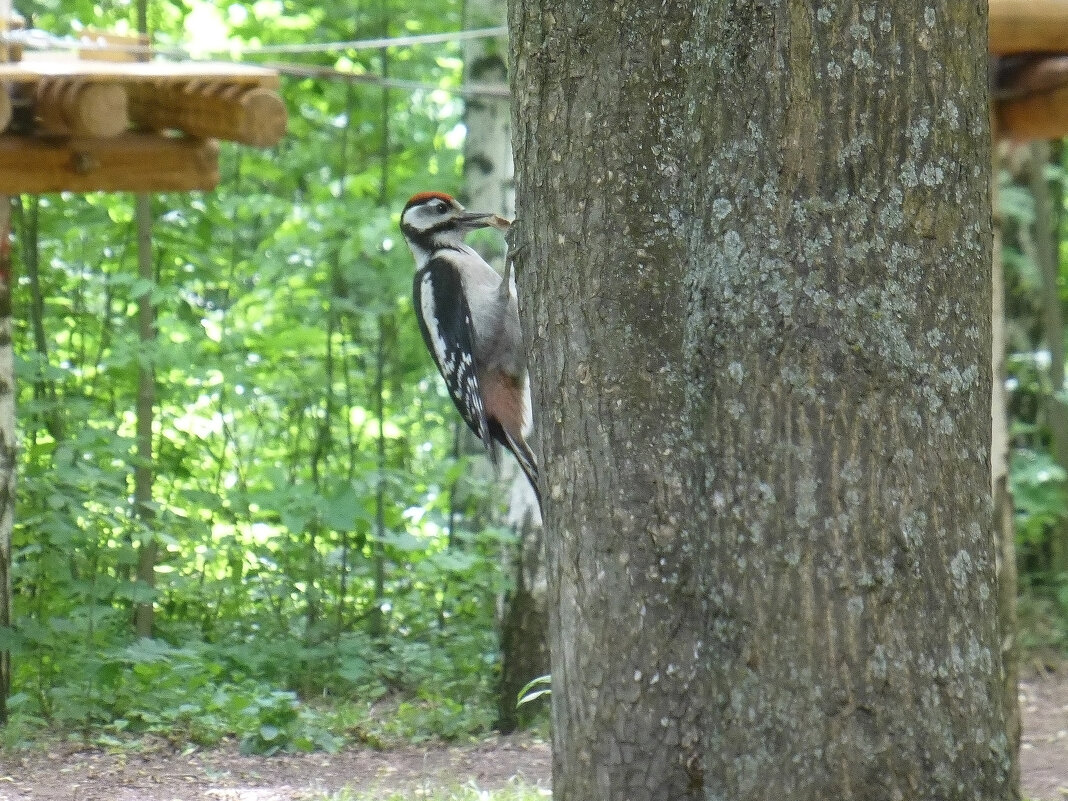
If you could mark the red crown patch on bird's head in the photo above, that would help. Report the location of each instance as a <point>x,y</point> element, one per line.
<point>422,197</point>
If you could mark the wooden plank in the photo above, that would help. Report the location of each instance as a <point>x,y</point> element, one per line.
<point>1032,99</point>
<point>1022,26</point>
<point>5,106</point>
<point>131,162</point>
<point>1041,116</point>
<point>164,72</point>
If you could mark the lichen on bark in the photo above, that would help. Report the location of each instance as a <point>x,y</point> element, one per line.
<point>756,278</point>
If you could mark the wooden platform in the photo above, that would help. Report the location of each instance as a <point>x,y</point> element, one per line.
<point>130,162</point>
<point>35,68</point>
<point>145,126</point>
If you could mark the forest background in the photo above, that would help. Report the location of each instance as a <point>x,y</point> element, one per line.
<point>329,567</point>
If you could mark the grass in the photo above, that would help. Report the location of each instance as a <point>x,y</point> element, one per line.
<point>515,791</point>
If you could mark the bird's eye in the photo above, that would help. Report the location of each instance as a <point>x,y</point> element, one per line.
<point>440,207</point>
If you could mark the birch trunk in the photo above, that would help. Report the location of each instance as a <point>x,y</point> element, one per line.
<point>489,186</point>
<point>1004,524</point>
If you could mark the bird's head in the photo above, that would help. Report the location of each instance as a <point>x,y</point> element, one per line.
<point>433,220</point>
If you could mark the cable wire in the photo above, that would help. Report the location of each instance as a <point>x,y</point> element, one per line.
<point>43,40</point>
<point>493,90</point>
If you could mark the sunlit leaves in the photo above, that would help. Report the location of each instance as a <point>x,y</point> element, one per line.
<point>282,311</point>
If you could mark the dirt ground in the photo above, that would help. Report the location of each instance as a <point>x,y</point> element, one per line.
<point>223,774</point>
<point>159,773</point>
<point>1044,743</point>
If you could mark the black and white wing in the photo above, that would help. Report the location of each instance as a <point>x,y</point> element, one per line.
<point>445,321</point>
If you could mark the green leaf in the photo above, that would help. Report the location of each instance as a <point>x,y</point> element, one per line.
<point>136,591</point>
<point>341,511</point>
<point>534,689</point>
<point>11,640</point>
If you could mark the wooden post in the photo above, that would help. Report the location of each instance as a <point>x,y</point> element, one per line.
<point>5,106</point>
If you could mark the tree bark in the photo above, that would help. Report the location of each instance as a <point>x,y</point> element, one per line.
<point>756,277</point>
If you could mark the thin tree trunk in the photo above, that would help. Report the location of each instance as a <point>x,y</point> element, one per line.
<point>488,169</point>
<point>489,186</point>
<point>524,628</point>
<point>8,446</point>
<point>27,221</point>
<point>324,442</point>
<point>756,280</point>
<point>1042,249</point>
<point>1004,527</point>
<point>144,613</point>
<point>376,620</point>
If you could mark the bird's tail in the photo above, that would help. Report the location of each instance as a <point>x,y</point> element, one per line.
<point>525,456</point>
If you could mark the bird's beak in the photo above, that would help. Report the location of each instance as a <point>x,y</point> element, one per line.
<point>480,219</point>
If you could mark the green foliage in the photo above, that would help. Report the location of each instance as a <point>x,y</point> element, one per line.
<point>1036,481</point>
<point>1043,623</point>
<point>308,545</point>
<point>1037,405</point>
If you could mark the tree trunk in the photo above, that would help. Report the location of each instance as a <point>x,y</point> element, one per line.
<point>756,278</point>
<point>8,446</point>
<point>1004,523</point>
<point>489,186</point>
<point>524,627</point>
<point>488,170</point>
<point>144,471</point>
<point>144,612</point>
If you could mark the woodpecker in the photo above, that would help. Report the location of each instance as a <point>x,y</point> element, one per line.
<point>469,318</point>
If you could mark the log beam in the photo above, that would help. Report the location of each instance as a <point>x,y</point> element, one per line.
<point>1035,102</point>
<point>69,108</point>
<point>1037,117</point>
<point>252,116</point>
<point>1026,26</point>
<point>5,107</point>
<point>130,162</point>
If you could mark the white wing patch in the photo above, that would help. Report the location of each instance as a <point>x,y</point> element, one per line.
<point>426,297</point>
<point>456,365</point>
